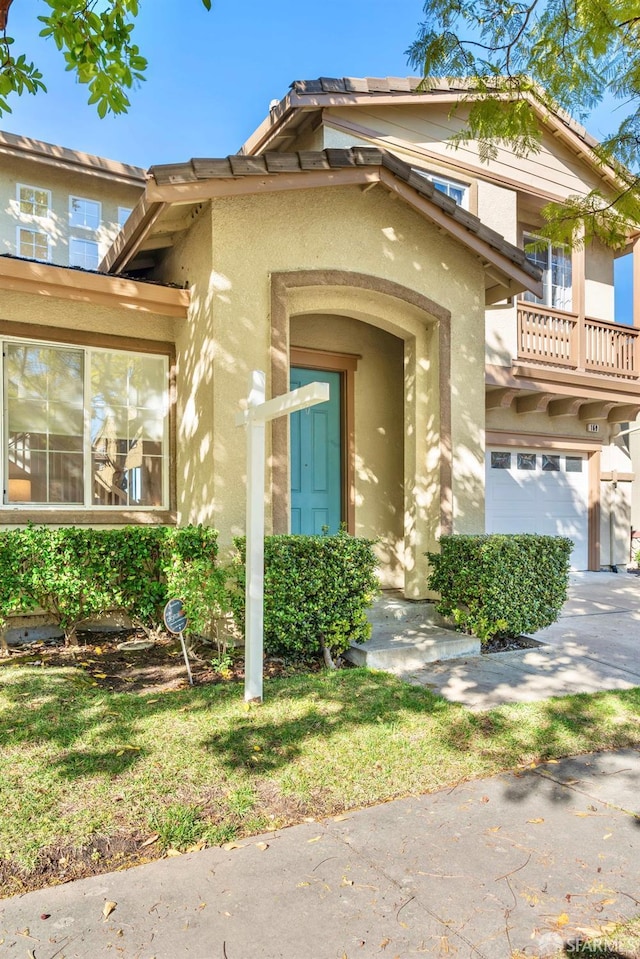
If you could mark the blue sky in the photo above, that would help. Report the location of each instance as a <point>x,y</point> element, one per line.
<point>212,75</point>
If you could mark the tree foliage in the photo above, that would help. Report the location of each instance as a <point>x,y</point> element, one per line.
<point>522,59</point>
<point>95,38</point>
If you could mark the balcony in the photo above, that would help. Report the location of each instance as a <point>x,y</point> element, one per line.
<point>561,339</point>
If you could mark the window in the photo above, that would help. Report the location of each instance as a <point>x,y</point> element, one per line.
<point>457,191</point>
<point>550,463</point>
<point>124,213</point>
<point>85,213</point>
<point>33,201</point>
<point>574,464</point>
<point>33,244</point>
<point>500,460</point>
<point>83,253</point>
<point>526,461</point>
<point>85,427</point>
<point>555,263</point>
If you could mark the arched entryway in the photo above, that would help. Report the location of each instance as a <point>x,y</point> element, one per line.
<point>401,340</point>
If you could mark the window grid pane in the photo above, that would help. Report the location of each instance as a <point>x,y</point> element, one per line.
<point>33,244</point>
<point>83,253</point>
<point>33,202</point>
<point>58,453</point>
<point>84,213</point>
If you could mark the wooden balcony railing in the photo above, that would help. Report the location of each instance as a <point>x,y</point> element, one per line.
<point>564,339</point>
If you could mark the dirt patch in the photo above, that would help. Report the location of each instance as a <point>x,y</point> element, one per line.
<point>510,644</point>
<point>158,669</point>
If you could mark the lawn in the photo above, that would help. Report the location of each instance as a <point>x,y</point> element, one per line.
<point>92,779</point>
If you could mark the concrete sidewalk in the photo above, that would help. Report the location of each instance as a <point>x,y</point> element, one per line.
<point>594,645</point>
<point>517,864</point>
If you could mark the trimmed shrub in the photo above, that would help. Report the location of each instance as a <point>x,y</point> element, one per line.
<point>501,585</point>
<point>75,574</point>
<point>316,593</point>
<point>192,574</point>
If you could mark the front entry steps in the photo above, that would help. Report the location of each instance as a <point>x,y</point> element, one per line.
<point>406,634</point>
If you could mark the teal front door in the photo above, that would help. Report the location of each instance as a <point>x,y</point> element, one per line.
<point>316,467</point>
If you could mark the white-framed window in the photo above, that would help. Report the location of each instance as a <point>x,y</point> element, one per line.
<point>84,427</point>
<point>124,213</point>
<point>452,188</point>
<point>33,244</point>
<point>84,213</point>
<point>555,263</point>
<point>83,253</point>
<point>33,201</point>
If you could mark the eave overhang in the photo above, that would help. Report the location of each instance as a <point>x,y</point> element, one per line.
<point>154,221</point>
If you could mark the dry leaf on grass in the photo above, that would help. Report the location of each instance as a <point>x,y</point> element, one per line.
<point>150,841</point>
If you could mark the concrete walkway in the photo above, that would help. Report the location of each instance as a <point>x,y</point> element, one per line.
<point>594,645</point>
<point>516,865</point>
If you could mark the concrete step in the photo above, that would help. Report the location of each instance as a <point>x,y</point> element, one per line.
<point>406,634</point>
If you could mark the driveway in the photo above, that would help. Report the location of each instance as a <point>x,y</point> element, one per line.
<point>595,645</point>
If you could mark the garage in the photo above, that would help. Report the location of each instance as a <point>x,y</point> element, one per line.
<point>538,491</point>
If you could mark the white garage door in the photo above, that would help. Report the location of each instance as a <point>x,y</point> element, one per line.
<point>533,491</point>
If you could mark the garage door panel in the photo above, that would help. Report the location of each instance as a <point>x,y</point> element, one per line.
<point>552,501</point>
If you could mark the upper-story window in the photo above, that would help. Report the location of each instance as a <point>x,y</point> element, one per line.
<point>84,213</point>
<point>32,201</point>
<point>83,253</point>
<point>84,427</point>
<point>555,263</point>
<point>452,188</point>
<point>33,244</point>
<point>123,215</point>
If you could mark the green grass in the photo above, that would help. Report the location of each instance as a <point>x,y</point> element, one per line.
<point>78,765</point>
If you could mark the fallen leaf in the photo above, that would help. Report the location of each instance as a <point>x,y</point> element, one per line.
<point>301,884</point>
<point>99,675</point>
<point>341,817</point>
<point>198,846</point>
<point>536,821</point>
<point>172,853</point>
<point>607,835</point>
<point>309,819</point>
<point>552,762</point>
<point>262,846</point>
<point>97,649</point>
<point>315,839</point>
<point>346,882</point>
<point>108,908</point>
<point>232,845</point>
<point>385,942</point>
<point>150,841</point>
<point>583,815</point>
<point>494,829</point>
<point>149,701</point>
<point>562,919</point>
<point>257,749</point>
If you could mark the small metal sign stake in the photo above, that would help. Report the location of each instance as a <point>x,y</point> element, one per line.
<point>260,411</point>
<point>176,622</point>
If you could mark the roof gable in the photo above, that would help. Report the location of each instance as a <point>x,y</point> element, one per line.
<point>198,180</point>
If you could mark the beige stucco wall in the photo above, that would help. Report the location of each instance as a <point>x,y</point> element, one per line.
<point>379,416</point>
<point>62,184</point>
<point>598,282</point>
<point>50,311</point>
<point>228,266</point>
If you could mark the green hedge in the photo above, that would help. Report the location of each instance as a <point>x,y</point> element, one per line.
<point>75,574</point>
<point>501,585</point>
<point>317,590</point>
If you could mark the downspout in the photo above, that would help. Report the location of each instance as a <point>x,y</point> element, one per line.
<point>612,519</point>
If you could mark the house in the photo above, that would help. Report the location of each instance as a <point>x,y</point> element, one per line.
<point>59,205</point>
<point>346,242</point>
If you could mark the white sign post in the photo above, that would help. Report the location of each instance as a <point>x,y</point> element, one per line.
<point>260,411</point>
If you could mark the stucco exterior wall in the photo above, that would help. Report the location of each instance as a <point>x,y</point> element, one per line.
<point>57,313</point>
<point>498,208</point>
<point>379,434</point>
<point>228,267</point>
<point>62,184</point>
<point>598,283</point>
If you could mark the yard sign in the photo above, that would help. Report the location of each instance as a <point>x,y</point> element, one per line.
<point>259,412</point>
